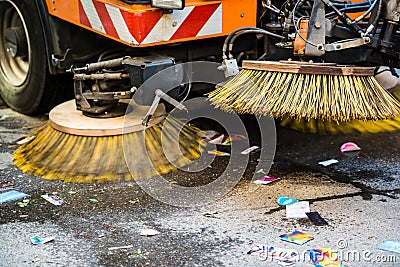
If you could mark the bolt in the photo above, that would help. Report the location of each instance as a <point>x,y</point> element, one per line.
<point>317,24</point>
<point>338,46</point>
<point>242,15</point>
<point>174,24</point>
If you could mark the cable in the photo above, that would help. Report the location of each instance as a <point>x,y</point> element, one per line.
<point>352,9</point>
<point>256,31</point>
<point>296,25</point>
<point>228,38</point>
<point>375,19</point>
<point>366,12</point>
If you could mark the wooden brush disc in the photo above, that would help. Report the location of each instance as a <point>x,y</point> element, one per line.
<point>308,68</point>
<point>67,119</point>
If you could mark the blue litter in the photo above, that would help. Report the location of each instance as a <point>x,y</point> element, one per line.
<point>284,201</point>
<point>11,195</point>
<point>390,245</point>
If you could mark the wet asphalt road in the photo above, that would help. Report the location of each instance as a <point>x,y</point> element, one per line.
<point>358,197</point>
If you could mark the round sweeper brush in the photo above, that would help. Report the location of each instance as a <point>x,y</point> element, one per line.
<point>306,90</point>
<point>76,148</point>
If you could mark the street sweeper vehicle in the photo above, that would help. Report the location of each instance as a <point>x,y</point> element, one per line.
<point>311,60</point>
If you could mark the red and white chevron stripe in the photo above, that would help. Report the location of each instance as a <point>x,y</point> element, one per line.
<point>148,28</point>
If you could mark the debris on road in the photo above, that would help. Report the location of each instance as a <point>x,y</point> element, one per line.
<point>37,241</point>
<point>133,201</point>
<point>6,185</point>
<point>35,260</point>
<point>122,247</point>
<point>25,203</point>
<point>349,147</point>
<point>211,214</point>
<point>391,245</point>
<point>297,237</point>
<point>324,257</point>
<point>328,162</point>
<point>54,199</point>
<point>93,200</point>
<point>149,232</point>
<point>283,200</point>
<point>297,210</point>
<point>11,195</point>
<point>249,150</point>
<point>25,140</point>
<point>266,180</point>
<point>316,218</point>
<point>218,153</point>
<point>216,138</point>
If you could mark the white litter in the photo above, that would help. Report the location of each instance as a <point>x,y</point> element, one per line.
<point>149,232</point>
<point>249,150</point>
<point>25,140</point>
<point>328,162</point>
<point>123,247</point>
<point>298,210</point>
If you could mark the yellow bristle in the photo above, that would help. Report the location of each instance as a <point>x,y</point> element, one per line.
<point>310,96</point>
<point>55,155</point>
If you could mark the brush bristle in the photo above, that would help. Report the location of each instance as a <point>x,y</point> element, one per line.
<point>55,155</point>
<point>333,127</point>
<point>327,97</point>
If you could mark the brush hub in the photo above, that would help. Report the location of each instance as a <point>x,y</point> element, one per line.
<point>67,119</point>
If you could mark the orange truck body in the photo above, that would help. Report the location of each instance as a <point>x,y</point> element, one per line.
<point>143,26</point>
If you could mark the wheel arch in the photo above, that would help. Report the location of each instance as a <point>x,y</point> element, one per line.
<point>50,40</point>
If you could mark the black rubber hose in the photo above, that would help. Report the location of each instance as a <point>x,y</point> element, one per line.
<point>228,38</point>
<point>255,31</point>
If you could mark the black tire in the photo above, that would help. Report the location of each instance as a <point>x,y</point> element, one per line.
<point>25,84</point>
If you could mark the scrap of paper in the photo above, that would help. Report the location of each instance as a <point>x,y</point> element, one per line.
<point>324,257</point>
<point>249,150</point>
<point>316,218</point>
<point>349,147</point>
<point>297,237</point>
<point>11,195</point>
<point>391,245</point>
<point>266,180</point>
<point>6,185</point>
<point>54,199</point>
<point>218,153</point>
<point>37,241</point>
<point>298,210</point>
<point>328,162</point>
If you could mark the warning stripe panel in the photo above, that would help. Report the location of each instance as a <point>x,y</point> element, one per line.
<point>151,27</point>
<point>92,15</point>
<point>194,21</point>
<point>213,25</point>
<point>141,25</point>
<point>83,17</point>
<point>167,25</point>
<point>105,19</point>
